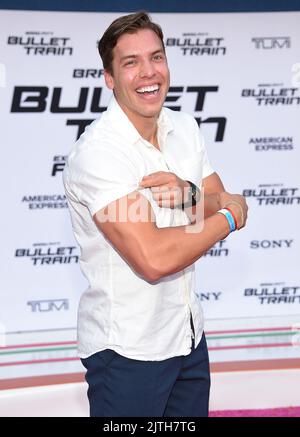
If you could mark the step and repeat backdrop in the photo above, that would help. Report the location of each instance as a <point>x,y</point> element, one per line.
<point>239,76</point>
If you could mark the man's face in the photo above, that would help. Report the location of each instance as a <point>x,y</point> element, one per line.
<point>141,77</point>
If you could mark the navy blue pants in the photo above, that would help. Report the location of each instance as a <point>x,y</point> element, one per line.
<point>176,387</point>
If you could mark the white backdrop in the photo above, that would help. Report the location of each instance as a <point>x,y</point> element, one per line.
<point>239,75</point>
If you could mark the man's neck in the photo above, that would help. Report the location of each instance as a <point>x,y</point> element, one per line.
<point>148,131</point>
<point>146,127</point>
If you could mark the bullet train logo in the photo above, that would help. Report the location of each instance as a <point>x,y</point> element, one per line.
<point>218,250</point>
<point>273,195</point>
<point>272,42</point>
<point>272,95</point>
<point>42,43</point>
<point>276,143</point>
<point>274,293</point>
<point>199,44</point>
<point>35,99</point>
<point>42,254</point>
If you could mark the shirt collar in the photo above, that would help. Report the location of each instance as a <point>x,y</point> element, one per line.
<point>120,122</point>
<point>164,122</point>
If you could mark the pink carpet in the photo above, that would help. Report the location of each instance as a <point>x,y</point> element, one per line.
<point>272,412</point>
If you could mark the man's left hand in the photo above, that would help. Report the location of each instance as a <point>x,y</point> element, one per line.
<point>168,190</point>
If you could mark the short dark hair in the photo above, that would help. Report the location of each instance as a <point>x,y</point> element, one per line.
<point>126,24</point>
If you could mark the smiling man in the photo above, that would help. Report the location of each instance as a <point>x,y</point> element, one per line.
<point>137,181</point>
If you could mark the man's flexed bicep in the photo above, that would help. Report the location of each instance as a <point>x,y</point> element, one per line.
<point>152,252</point>
<point>129,224</point>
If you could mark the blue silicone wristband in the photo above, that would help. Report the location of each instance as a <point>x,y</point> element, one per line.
<point>229,218</point>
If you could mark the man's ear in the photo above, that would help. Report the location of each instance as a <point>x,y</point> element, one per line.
<point>109,80</point>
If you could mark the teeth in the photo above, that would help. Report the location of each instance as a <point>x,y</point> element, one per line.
<point>148,89</point>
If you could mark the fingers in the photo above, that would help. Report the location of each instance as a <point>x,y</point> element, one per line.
<point>162,193</point>
<point>162,189</point>
<point>167,188</point>
<point>156,179</point>
<point>167,197</point>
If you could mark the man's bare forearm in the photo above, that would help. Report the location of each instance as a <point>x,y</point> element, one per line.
<point>155,252</point>
<point>210,207</point>
<point>175,248</point>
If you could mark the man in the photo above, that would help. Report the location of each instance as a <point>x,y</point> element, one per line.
<point>140,324</point>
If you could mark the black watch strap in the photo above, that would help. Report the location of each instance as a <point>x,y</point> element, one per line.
<point>194,196</point>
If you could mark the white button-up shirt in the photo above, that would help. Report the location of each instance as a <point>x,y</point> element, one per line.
<point>120,310</point>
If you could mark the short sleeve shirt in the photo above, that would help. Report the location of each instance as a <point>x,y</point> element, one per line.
<point>121,310</point>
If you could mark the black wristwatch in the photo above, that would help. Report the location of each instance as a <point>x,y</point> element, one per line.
<point>194,196</point>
